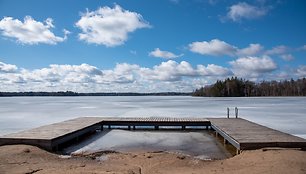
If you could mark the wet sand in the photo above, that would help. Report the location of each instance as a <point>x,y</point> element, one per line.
<point>28,159</point>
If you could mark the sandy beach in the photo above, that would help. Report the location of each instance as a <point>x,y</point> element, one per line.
<point>28,159</point>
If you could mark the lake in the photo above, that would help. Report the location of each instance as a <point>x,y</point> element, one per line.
<point>287,114</point>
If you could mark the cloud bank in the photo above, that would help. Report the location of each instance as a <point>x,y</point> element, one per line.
<point>124,77</point>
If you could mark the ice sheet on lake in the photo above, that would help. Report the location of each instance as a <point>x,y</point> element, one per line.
<point>287,114</point>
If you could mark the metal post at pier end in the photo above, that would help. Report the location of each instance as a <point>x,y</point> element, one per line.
<point>228,110</point>
<point>236,112</point>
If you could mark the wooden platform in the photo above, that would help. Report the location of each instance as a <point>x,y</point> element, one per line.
<point>50,136</point>
<point>246,135</point>
<point>242,134</point>
<point>156,122</point>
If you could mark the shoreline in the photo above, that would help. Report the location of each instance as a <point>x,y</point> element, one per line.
<point>29,159</point>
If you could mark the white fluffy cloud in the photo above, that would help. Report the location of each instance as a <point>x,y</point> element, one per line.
<point>213,70</point>
<point>109,26</point>
<point>218,47</point>
<point>164,54</point>
<point>281,49</point>
<point>167,76</point>
<point>173,71</point>
<point>287,57</point>
<point>252,50</point>
<point>301,71</point>
<point>123,73</point>
<point>7,68</point>
<point>253,66</point>
<point>30,31</point>
<point>214,47</point>
<point>168,71</point>
<point>62,73</point>
<point>243,10</point>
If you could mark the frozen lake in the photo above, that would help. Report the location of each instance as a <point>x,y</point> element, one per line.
<point>287,114</point>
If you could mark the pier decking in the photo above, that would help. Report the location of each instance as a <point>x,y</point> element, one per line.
<point>246,135</point>
<point>242,134</point>
<point>50,136</point>
<point>156,122</point>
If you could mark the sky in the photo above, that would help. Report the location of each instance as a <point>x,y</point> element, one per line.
<point>148,46</point>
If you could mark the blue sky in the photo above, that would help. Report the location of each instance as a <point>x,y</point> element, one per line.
<point>148,46</point>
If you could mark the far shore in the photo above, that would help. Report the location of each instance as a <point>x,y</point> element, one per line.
<point>29,159</point>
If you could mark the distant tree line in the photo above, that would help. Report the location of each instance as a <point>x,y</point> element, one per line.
<point>234,87</point>
<point>70,93</point>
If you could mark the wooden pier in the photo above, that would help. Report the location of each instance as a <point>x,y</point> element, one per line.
<point>246,135</point>
<point>157,122</point>
<point>49,137</point>
<point>242,134</point>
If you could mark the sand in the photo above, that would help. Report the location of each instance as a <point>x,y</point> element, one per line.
<point>28,159</point>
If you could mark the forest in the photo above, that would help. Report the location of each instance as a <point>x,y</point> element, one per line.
<point>235,87</point>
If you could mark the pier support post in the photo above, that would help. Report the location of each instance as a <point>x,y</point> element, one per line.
<point>183,127</point>
<point>228,111</point>
<point>156,127</point>
<point>236,112</point>
<point>102,127</point>
<point>109,126</point>
<point>134,127</point>
<point>224,142</point>
<point>238,151</point>
<point>129,127</point>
